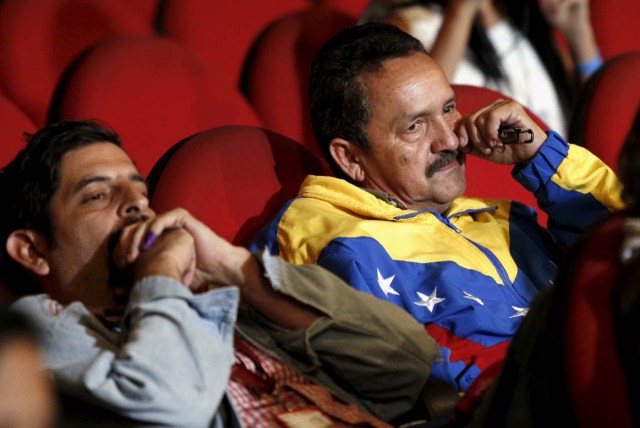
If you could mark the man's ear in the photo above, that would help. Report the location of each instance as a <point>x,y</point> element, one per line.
<point>348,156</point>
<point>26,247</point>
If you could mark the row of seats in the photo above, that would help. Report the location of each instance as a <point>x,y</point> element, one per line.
<point>155,91</point>
<point>273,47</point>
<point>53,50</point>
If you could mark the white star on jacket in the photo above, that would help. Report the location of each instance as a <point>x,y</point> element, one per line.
<point>472,297</point>
<point>519,312</point>
<point>429,301</point>
<point>385,284</point>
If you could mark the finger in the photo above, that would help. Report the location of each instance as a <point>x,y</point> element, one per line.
<point>145,237</point>
<point>492,122</point>
<point>122,250</point>
<point>485,131</point>
<point>477,136</point>
<point>463,138</point>
<point>136,242</point>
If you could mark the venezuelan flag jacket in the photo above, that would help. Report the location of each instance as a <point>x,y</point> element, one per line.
<point>469,274</point>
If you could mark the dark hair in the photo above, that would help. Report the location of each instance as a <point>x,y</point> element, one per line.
<point>526,16</point>
<point>337,91</point>
<point>30,180</point>
<point>629,167</point>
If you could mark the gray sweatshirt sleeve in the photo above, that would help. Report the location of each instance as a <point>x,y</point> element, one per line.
<point>168,365</point>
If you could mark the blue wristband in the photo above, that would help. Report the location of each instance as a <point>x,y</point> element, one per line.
<point>591,66</point>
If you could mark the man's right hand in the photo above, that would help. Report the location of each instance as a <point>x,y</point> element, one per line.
<point>171,254</point>
<point>214,262</point>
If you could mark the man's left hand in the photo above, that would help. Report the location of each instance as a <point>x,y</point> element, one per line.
<point>478,133</point>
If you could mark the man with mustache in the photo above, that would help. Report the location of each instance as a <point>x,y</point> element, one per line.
<point>138,310</point>
<point>393,221</point>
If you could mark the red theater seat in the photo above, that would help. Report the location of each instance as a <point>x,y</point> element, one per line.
<point>595,377</point>
<point>39,38</point>
<point>486,179</point>
<point>153,92</point>
<point>615,23</point>
<point>277,73</point>
<point>221,32</point>
<point>606,107</point>
<point>234,178</point>
<point>353,8</point>
<point>13,125</point>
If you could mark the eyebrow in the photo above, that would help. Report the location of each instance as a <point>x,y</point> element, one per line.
<point>453,99</point>
<point>103,179</point>
<point>411,117</point>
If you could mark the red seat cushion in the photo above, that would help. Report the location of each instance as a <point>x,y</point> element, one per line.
<point>153,92</point>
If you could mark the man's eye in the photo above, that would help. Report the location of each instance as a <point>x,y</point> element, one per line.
<point>450,108</point>
<point>414,126</point>
<point>93,197</point>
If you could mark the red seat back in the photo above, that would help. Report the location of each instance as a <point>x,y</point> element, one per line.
<point>486,179</point>
<point>354,8</point>
<point>39,38</point>
<point>234,178</point>
<point>277,73</point>
<point>594,373</point>
<point>615,23</point>
<point>153,92</point>
<point>607,106</point>
<point>221,32</point>
<point>13,125</point>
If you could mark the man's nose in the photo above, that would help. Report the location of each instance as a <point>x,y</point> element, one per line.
<point>444,138</point>
<point>134,202</point>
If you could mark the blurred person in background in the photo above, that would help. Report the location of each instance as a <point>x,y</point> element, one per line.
<point>26,393</point>
<point>506,45</point>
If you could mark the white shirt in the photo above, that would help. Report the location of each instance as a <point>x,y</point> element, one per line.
<point>526,79</point>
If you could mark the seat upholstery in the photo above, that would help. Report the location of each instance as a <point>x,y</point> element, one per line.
<point>234,178</point>
<point>152,91</point>
<point>222,32</point>
<point>277,72</point>
<point>39,38</point>
<point>615,23</point>
<point>13,125</point>
<point>486,179</point>
<point>606,107</point>
<point>353,8</point>
<point>595,377</point>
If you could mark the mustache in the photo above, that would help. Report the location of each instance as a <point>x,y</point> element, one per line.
<point>444,159</point>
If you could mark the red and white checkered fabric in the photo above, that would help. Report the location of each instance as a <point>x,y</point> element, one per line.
<point>292,392</point>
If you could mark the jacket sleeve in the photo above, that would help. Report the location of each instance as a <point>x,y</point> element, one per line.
<point>572,186</point>
<point>168,365</point>
<point>362,348</point>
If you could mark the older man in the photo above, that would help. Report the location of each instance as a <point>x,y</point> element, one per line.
<point>138,315</point>
<point>394,223</point>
